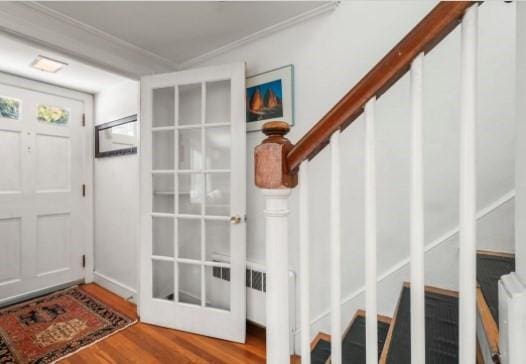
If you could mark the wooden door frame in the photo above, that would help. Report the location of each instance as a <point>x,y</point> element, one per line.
<point>87,152</point>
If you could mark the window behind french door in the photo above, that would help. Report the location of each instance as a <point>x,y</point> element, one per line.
<point>193,177</point>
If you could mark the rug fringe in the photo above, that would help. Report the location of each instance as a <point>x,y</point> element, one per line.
<point>94,342</point>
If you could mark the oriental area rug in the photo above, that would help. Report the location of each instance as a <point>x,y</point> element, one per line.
<point>48,328</point>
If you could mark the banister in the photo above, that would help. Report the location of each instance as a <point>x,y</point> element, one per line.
<point>436,25</point>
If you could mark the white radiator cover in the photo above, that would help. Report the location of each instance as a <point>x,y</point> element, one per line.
<point>256,312</point>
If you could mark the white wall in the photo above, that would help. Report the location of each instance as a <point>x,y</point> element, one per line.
<point>117,199</point>
<point>520,178</point>
<point>330,54</point>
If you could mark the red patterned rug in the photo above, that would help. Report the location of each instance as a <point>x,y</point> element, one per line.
<point>51,327</point>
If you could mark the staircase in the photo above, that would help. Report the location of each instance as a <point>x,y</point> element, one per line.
<point>394,335</point>
<point>430,324</point>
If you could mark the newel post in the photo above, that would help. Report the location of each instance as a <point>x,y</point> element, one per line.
<point>274,178</point>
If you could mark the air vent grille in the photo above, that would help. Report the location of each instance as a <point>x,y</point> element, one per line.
<point>254,279</point>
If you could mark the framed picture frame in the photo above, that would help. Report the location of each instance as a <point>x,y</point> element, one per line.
<point>270,97</point>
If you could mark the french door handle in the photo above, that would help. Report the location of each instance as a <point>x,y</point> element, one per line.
<point>235,220</point>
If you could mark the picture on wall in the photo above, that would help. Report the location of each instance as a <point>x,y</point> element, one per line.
<point>269,97</point>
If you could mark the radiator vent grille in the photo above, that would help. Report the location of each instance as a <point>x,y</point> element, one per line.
<point>254,279</point>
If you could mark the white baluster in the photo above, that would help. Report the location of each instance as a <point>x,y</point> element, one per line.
<point>371,325</point>
<point>418,344</point>
<point>304,263</point>
<point>336,330</point>
<point>467,241</point>
<point>276,239</point>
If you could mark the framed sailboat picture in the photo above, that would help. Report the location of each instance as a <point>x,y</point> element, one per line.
<point>270,97</point>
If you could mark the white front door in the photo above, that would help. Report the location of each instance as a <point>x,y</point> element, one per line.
<point>193,178</point>
<point>43,218</point>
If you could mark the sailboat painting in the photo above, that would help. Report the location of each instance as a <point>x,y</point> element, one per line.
<point>269,98</point>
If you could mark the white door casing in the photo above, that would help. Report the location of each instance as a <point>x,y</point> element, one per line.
<point>45,222</point>
<point>193,201</point>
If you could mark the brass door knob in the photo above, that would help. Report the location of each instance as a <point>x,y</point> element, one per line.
<point>235,220</point>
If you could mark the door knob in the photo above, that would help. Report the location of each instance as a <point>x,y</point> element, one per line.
<point>235,220</point>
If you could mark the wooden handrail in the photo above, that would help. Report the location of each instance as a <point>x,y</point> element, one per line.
<point>422,38</point>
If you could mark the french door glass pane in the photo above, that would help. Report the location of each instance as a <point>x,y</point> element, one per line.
<point>163,236</point>
<point>218,102</point>
<point>190,151</point>
<point>163,193</point>
<point>189,238</point>
<point>217,287</point>
<point>190,104</point>
<point>217,148</point>
<point>190,193</point>
<point>163,150</point>
<point>163,107</point>
<point>163,279</point>
<point>217,194</point>
<point>190,283</point>
<point>217,239</point>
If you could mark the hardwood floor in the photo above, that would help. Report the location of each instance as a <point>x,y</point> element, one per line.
<point>142,343</point>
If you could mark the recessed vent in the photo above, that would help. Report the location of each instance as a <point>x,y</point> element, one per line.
<point>254,279</point>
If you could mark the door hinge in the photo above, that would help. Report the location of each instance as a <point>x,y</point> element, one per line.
<point>83,260</point>
<point>83,119</point>
<point>83,190</point>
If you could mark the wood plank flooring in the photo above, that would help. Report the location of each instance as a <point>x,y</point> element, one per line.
<point>142,343</point>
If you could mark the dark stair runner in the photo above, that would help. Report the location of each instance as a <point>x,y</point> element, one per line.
<point>441,330</point>
<point>353,346</point>
<point>489,270</point>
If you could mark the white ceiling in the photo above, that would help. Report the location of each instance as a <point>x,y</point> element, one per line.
<point>17,55</point>
<point>100,40</point>
<point>179,31</point>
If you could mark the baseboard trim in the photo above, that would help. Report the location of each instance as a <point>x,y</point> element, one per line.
<point>115,286</point>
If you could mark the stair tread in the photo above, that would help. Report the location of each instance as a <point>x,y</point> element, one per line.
<point>353,345</point>
<point>490,267</point>
<point>321,352</point>
<point>441,329</point>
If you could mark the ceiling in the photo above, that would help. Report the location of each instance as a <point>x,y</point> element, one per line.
<point>108,42</point>
<point>17,56</point>
<point>179,31</point>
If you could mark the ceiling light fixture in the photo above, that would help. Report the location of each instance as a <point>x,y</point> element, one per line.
<point>47,64</point>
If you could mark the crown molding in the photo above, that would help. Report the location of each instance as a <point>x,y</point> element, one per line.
<point>42,26</point>
<point>98,33</point>
<point>36,23</point>
<point>320,10</point>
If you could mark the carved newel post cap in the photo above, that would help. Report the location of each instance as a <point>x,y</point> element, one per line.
<point>272,171</point>
<point>276,128</point>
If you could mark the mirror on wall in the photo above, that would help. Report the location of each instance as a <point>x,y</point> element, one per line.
<point>117,137</point>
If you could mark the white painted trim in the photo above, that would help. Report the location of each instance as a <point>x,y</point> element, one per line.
<point>320,10</point>
<point>434,244</point>
<point>115,286</point>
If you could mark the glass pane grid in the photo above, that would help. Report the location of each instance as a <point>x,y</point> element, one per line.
<point>201,195</point>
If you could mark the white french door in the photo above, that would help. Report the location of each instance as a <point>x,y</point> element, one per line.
<point>44,218</point>
<point>193,177</point>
